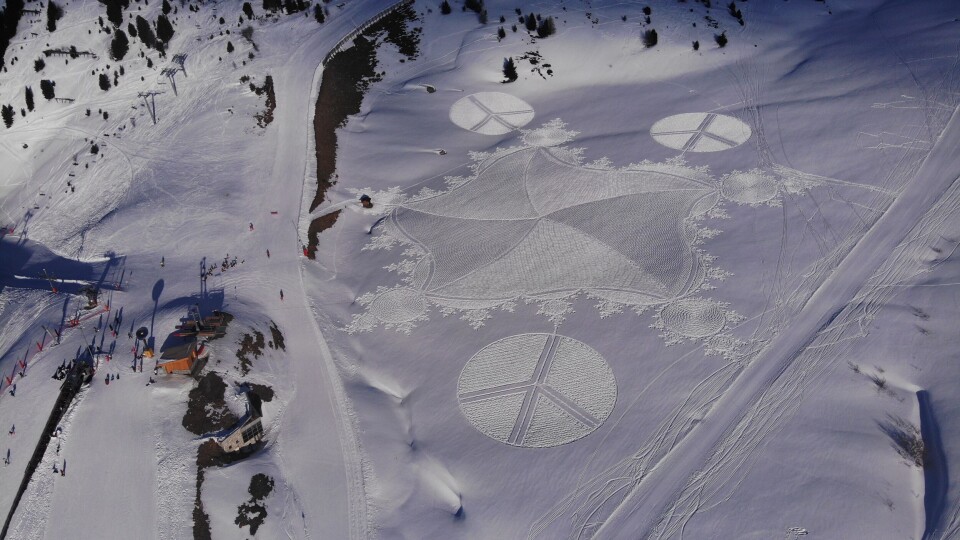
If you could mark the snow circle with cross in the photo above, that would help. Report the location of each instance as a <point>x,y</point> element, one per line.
<point>700,132</point>
<point>491,113</point>
<point>536,390</point>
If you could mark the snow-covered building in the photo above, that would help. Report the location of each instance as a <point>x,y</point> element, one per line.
<point>248,430</point>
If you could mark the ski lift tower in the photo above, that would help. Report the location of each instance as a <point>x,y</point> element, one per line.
<point>150,105</point>
<point>179,59</point>
<point>171,73</point>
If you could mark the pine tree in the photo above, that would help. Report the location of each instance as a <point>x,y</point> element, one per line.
<point>145,32</point>
<point>721,39</point>
<point>28,96</point>
<point>119,45</point>
<point>509,70</point>
<point>115,11</point>
<point>229,47</point>
<point>531,22</point>
<point>546,28</point>
<point>164,29</point>
<point>132,30</point>
<point>318,14</point>
<point>649,38</point>
<point>501,33</point>
<point>46,88</point>
<point>104,82</point>
<point>8,115</point>
<point>54,13</point>
<point>248,10</point>
<point>39,64</point>
<point>475,6</point>
<point>696,45</point>
<point>445,7</point>
<point>166,7</point>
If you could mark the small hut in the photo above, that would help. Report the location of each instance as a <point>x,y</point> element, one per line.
<point>185,358</point>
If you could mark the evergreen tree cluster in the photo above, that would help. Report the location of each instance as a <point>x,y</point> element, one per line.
<point>54,14</point>
<point>119,45</point>
<point>735,13</point>
<point>46,88</point>
<point>8,114</point>
<point>509,70</point>
<point>115,10</point>
<point>9,18</point>
<point>649,38</point>
<point>546,28</point>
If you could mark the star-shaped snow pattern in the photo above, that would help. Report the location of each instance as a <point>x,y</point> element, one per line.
<point>534,224</point>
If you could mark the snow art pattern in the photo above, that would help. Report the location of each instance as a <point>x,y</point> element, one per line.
<point>700,132</point>
<point>536,390</point>
<point>534,225</point>
<point>491,113</point>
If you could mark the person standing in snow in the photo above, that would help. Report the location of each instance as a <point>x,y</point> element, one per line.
<point>281,295</point>
<point>13,429</point>
<point>163,262</point>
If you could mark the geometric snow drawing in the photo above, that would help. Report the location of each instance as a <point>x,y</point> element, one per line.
<point>491,113</point>
<point>751,187</point>
<point>536,390</point>
<point>695,318</point>
<point>534,225</point>
<point>700,132</point>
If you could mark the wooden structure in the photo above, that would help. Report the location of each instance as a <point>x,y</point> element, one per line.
<point>186,358</point>
<point>249,429</point>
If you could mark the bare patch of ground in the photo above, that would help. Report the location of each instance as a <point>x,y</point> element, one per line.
<point>207,411</point>
<point>346,78</point>
<point>253,513</point>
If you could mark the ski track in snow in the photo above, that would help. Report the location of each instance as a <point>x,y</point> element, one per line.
<point>582,513</point>
<point>646,508</point>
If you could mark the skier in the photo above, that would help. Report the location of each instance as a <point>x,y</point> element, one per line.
<point>13,429</point>
<point>281,295</point>
<point>251,225</point>
<point>268,253</point>
<point>163,262</point>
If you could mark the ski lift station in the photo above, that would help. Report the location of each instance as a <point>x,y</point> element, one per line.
<point>186,358</point>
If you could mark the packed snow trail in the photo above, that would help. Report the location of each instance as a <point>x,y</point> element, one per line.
<point>641,511</point>
<point>324,465</point>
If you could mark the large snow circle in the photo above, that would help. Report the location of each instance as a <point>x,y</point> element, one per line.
<point>749,187</point>
<point>695,318</point>
<point>536,390</point>
<point>700,132</point>
<point>491,113</point>
<point>399,305</point>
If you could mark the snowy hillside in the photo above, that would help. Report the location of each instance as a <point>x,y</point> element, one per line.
<point>677,269</point>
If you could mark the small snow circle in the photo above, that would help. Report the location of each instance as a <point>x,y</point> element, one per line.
<point>749,188</point>
<point>694,318</point>
<point>399,305</point>
<point>700,132</point>
<point>491,113</point>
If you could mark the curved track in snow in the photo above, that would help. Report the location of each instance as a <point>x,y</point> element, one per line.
<point>318,449</point>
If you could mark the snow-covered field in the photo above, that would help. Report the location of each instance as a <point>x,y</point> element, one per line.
<point>641,291</point>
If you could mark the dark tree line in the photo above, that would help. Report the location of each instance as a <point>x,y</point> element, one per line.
<point>9,18</point>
